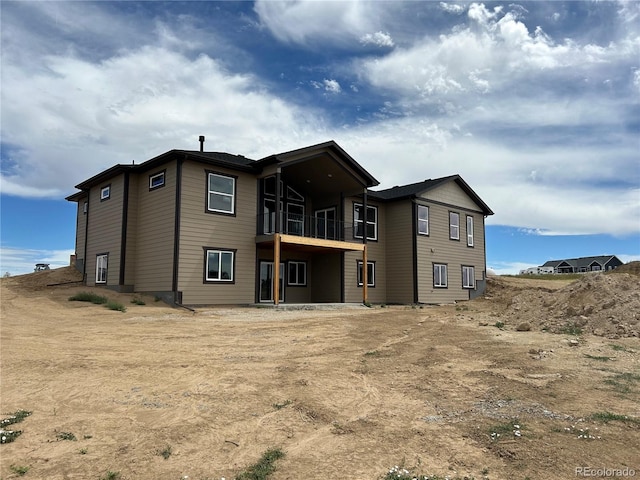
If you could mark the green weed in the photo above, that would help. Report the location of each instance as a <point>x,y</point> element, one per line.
<point>600,359</point>
<point>19,469</point>
<point>607,417</point>
<point>111,305</point>
<point>66,436</point>
<point>137,301</point>
<point>88,297</point>
<point>165,452</point>
<point>263,467</point>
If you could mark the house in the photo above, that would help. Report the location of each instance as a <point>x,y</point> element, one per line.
<point>202,228</point>
<point>584,264</point>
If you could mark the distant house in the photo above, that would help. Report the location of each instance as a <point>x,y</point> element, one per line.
<point>202,228</point>
<point>584,264</point>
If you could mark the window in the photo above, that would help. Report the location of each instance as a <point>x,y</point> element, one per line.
<point>293,195</point>
<point>469,231</point>
<point>439,275</point>
<point>371,221</point>
<point>105,192</point>
<point>295,219</point>
<point>101,267</point>
<point>371,274</point>
<point>468,277</point>
<point>297,273</point>
<point>221,193</point>
<point>454,226</point>
<point>423,220</point>
<point>219,265</point>
<point>156,180</point>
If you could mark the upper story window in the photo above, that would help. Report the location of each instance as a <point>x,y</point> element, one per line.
<point>156,180</point>
<point>105,192</point>
<point>359,221</point>
<point>221,193</point>
<point>469,231</point>
<point>454,226</point>
<point>423,220</point>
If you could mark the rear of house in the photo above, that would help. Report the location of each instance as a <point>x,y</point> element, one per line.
<point>203,228</point>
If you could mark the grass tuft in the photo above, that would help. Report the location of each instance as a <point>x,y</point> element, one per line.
<point>263,467</point>
<point>88,297</point>
<point>111,305</point>
<point>165,452</point>
<point>606,417</point>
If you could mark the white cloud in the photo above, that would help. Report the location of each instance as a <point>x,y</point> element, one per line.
<point>17,261</point>
<point>452,8</point>
<point>381,39</point>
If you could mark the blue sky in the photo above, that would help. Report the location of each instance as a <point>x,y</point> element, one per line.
<point>535,104</point>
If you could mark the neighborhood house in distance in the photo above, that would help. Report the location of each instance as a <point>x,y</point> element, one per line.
<point>205,228</point>
<point>576,265</point>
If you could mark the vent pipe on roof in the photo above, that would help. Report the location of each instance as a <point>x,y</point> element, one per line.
<point>201,143</point>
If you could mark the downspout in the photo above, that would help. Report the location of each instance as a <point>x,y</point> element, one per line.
<point>176,233</point>
<point>123,233</point>
<point>86,239</point>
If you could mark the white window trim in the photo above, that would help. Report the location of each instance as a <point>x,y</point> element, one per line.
<point>371,279</point>
<point>422,221</point>
<point>105,192</point>
<point>220,253</point>
<point>466,270</point>
<point>469,231</point>
<point>452,235</point>
<point>154,177</point>
<point>222,194</point>
<point>298,264</point>
<point>443,268</point>
<point>102,264</point>
<point>366,222</point>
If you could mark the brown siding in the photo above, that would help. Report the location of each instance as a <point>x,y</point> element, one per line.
<point>439,248</point>
<point>375,253</point>
<point>105,230</point>
<point>451,194</point>
<point>325,278</point>
<point>153,231</point>
<point>200,229</point>
<point>399,240</point>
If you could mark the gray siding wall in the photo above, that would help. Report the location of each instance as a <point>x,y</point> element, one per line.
<point>439,248</point>
<point>105,230</point>
<point>151,231</point>
<point>200,229</point>
<point>375,253</point>
<point>399,240</point>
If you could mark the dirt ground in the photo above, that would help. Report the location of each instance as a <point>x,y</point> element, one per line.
<point>454,390</point>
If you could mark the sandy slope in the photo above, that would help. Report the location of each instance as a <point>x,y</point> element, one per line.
<point>345,393</point>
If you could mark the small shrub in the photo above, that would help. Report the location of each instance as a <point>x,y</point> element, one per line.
<point>15,417</point>
<point>263,467</point>
<point>571,329</point>
<point>166,452</point>
<point>600,359</point>
<point>137,301</point>
<point>503,430</point>
<point>111,305</point>
<point>111,476</point>
<point>372,353</point>
<point>499,325</point>
<point>8,436</point>
<point>618,348</point>
<point>19,469</point>
<point>83,451</point>
<point>66,436</point>
<point>607,417</point>
<point>281,405</point>
<point>88,297</point>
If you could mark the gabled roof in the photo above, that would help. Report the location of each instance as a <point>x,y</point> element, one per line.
<point>414,190</point>
<point>332,146</point>
<point>581,261</point>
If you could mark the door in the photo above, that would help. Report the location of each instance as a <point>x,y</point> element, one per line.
<point>266,281</point>
<point>326,224</point>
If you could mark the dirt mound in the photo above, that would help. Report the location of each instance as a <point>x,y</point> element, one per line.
<point>632,268</point>
<point>598,303</point>
<point>46,278</point>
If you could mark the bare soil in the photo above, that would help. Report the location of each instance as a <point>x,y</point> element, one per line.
<point>346,393</point>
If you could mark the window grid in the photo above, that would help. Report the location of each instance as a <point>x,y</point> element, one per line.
<point>297,273</point>
<point>423,220</point>
<point>371,274</point>
<point>468,277</point>
<point>219,266</point>
<point>101,268</point>
<point>469,231</point>
<point>454,226</point>
<point>439,275</point>
<point>371,221</point>
<point>221,193</point>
